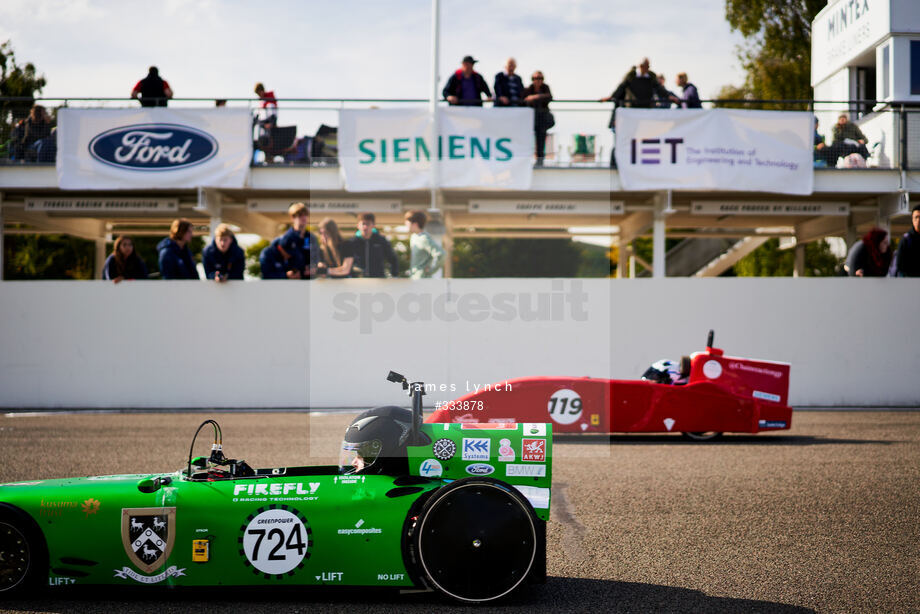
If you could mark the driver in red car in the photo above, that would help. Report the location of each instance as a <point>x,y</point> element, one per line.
<point>669,372</point>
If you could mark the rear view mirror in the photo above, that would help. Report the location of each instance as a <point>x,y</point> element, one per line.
<point>149,485</point>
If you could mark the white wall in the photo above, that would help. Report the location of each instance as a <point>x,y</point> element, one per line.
<point>882,128</point>
<point>284,344</point>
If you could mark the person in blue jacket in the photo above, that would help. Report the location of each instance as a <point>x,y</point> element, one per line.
<point>223,258</point>
<point>300,245</point>
<point>176,260</point>
<point>273,262</point>
<point>123,263</point>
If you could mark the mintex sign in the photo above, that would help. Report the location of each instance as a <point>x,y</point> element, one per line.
<point>394,149</point>
<point>843,30</point>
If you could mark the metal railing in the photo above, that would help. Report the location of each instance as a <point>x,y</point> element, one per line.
<point>305,128</point>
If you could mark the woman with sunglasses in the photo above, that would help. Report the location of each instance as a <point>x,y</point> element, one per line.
<point>538,96</point>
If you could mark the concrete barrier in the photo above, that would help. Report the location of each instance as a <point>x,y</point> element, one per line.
<point>330,343</point>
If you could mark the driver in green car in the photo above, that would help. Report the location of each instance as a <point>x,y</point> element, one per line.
<point>375,442</point>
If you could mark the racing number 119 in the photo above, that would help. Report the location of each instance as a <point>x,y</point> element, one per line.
<point>562,402</point>
<point>291,544</point>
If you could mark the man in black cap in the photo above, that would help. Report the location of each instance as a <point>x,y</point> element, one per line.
<point>465,85</point>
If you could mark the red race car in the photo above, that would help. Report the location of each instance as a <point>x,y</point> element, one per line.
<point>702,396</point>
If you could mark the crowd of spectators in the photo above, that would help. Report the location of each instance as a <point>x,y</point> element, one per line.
<point>872,256</point>
<point>299,254</point>
<point>849,143</point>
<point>465,87</point>
<point>296,254</point>
<point>33,139</point>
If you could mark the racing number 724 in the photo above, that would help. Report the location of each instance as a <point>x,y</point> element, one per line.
<point>297,545</point>
<point>575,405</point>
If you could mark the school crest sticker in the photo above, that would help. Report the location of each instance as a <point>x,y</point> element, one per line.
<point>148,534</point>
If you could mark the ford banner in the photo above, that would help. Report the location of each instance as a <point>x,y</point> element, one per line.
<point>715,149</point>
<point>392,149</point>
<point>101,149</point>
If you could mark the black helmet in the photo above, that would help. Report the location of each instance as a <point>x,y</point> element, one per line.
<point>375,441</point>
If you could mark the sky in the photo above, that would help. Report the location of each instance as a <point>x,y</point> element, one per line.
<point>362,48</point>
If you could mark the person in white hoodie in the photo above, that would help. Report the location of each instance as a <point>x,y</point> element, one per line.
<point>426,256</point>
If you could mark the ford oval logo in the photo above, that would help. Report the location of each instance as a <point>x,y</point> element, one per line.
<point>153,147</point>
<point>479,469</point>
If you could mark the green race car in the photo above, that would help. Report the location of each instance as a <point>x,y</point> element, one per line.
<point>457,508</point>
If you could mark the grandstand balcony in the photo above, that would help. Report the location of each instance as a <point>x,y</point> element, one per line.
<point>301,165</point>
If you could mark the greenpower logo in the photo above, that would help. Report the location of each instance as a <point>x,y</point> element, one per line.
<point>451,147</point>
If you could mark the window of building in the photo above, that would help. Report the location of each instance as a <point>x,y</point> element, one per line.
<point>914,67</point>
<point>886,79</point>
<point>865,90</point>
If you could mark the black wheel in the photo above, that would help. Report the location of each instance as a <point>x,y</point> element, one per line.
<point>702,435</point>
<point>21,552</point>
<point>476,540</point>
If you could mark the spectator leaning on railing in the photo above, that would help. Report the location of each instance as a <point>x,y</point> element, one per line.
<point>538,96</point>
<point>906,262</point>
<point>223,259</point>
<point>299,244</point>
<point>637,89</point>
<point>335,257</point>
<point>870,256</point>
<point>32,135</point>
<point>268,113</point>
<point>152,90</point>
<point>465,86</point>
<point>371,250</point>
<point>664,103</point>
<point>273,262</point>
<point>176,260</point>
<point>123,263</point>
<point>848,138</point>
<point>823,155</point>
<point>426,256</point>
<point>508,86</point>
<point>689,97</point>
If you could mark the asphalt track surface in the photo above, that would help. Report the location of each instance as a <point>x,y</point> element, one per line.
<point>821,518</point>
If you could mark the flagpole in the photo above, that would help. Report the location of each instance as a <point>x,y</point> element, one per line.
<point>435,36</point>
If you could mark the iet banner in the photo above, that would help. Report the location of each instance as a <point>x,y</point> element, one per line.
<point>392,149</point>
<point>715,149</point>
<point>100,149</point>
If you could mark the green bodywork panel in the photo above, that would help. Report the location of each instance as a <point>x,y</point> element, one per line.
<point>292,526</point>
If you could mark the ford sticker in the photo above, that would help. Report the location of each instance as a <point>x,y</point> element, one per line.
<point>480,469</point>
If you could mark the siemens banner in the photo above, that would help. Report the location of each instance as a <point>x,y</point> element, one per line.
<point>715,149</point>
<point>101,149</point>
<point>393,149</point>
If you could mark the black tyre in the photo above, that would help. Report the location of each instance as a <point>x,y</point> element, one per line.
<point>701,435</point>
<point>22,553</point>
<point>476,540</point>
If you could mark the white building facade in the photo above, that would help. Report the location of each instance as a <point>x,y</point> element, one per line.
<point>869,51</point>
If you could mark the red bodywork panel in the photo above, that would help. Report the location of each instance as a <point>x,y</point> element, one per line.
<point>723,393</point>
